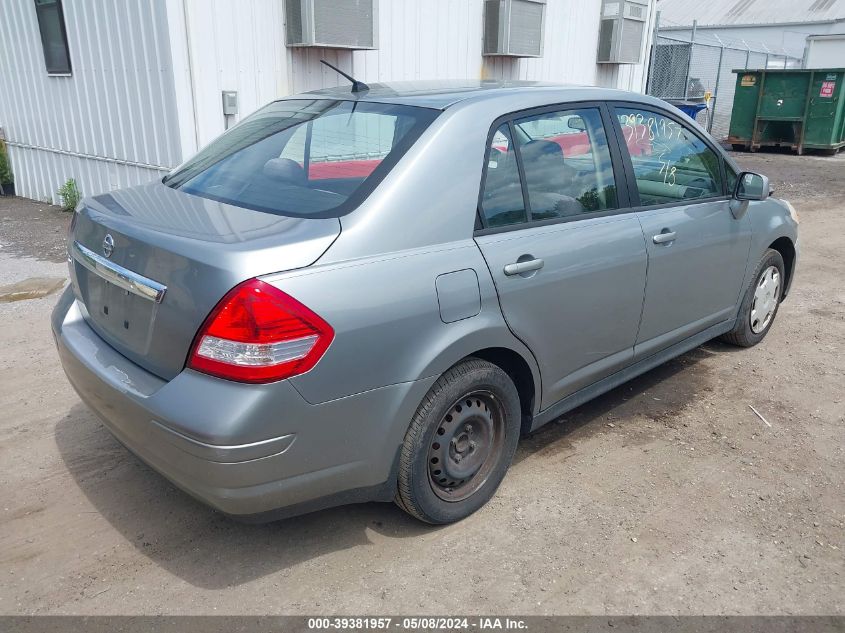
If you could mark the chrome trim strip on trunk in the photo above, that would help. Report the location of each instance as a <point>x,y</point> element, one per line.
<point>118,275</point>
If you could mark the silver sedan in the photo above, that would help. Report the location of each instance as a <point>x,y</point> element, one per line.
<point>370,295</point>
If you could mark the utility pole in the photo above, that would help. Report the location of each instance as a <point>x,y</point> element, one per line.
<point>652,58</point>
<point>689,61</point>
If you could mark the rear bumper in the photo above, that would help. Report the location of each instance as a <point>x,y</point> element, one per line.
<point>243,449</point>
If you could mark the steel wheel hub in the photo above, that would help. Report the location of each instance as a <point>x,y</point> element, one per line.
<point>766,296</point>
<point>466,446</point>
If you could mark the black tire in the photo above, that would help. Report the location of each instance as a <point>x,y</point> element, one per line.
<point>474,395</point>
<point>739,147</point>
<point>742,334</point>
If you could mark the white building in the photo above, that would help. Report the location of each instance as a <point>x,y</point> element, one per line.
<point>779,26</point>
<point>825,51</point>
<point>116,92</point>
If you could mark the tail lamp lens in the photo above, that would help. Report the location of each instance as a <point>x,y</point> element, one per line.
<point>258,334</point>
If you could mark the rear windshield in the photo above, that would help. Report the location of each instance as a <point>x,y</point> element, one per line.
<point>304,158</point>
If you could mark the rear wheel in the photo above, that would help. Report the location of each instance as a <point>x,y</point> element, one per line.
<point>460,443</point>
<point>760,303</point>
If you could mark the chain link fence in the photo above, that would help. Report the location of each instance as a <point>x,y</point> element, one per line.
<point>685,69</point>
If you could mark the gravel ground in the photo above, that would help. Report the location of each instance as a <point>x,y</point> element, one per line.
<point>667,495</point>
<point>799,178</point>
<point>33,229</point>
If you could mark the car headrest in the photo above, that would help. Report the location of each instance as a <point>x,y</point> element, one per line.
<point>285,169</point>
<point>539,149</point>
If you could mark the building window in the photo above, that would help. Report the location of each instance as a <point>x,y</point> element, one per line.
<point>51,23</point>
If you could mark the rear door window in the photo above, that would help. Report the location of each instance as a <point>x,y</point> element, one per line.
<point>671,163</point>
<point>304,158</point>
<point>567,165</point>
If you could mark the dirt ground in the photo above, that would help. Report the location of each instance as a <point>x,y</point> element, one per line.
<point>667,495</point>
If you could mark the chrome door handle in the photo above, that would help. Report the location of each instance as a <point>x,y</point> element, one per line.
<point>663,238</point>
<point>523,267</point>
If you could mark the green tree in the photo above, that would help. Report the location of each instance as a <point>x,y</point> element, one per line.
<point>6,177</point>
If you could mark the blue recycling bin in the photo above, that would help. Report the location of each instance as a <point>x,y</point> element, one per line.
<point>690,108</point>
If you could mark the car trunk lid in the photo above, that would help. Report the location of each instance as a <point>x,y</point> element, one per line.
<point>149,263</point>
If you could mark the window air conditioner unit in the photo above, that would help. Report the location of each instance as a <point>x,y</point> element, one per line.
<point>514,27</point>
<point>622,29</point>
<point>349,24</point>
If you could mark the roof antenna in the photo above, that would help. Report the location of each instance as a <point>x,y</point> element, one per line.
<point>357,86</point>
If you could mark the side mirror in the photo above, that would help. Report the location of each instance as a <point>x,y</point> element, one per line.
<point>751,186</point>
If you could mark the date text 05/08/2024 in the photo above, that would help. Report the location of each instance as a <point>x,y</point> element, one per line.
<point>417,623</point>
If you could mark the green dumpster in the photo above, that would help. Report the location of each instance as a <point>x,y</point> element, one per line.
<point>797,108</point>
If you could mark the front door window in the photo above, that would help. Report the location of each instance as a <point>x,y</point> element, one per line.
<point>671,163</point>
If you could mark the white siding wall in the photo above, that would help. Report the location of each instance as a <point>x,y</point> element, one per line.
<point>113,122</point>
<point>148,75</point>
<point>441,39</point>
<point>418,40</point>
<point>233,45</point>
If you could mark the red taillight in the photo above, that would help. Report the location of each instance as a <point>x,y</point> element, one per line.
<point>257,333</point>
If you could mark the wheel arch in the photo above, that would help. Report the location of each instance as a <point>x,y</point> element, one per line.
<point>519,371</point>
<point>510,355</point>
<point>499,346</point>
<point>786,248</point>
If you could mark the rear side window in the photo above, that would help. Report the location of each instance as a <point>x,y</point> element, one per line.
<point>501,200</point>
<point>671,162</point>
<point>566,161</point>
<point>304,158</point>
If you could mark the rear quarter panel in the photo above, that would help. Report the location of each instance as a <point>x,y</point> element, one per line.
<point>387,321</point>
